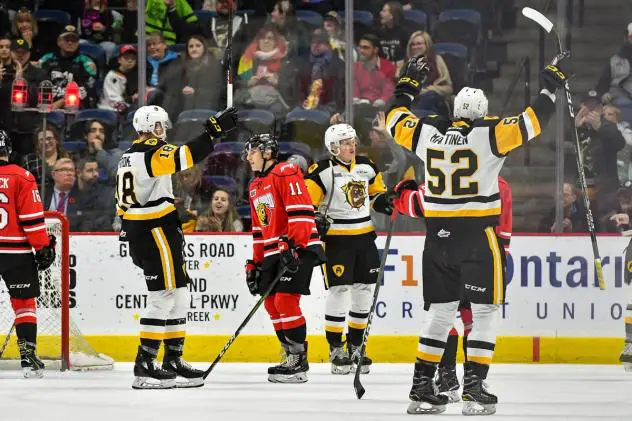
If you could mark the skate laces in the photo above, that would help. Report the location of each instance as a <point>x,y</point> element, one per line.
<point>627,349</point>
<point>337,352</point>
<point>291,360</point>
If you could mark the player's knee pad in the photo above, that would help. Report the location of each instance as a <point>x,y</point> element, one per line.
<point>159,304</point>
<point>485,322</point>
<point>439,320</point>
<point>181,302</point>
<point>337,302</point>
<point>24,309</point>
<point>287,304</point>
<point>362,297</point>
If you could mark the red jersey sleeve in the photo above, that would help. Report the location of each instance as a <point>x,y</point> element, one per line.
<point>301,227</point>
<point>504,228</point>
<point>409,202</point>
<point>30,212</point>
<point>257,236</point>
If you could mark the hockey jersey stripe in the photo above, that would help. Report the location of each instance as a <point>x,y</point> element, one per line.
<point>301,212</point>
<point>32,222</point>
<point>16,251</point>
<point>462,212</point>
<point>352,221</point>
<point>462,200</point>
<point>153,212</point>
<point>294,207</point>
<point>354,231</point>
<point>37,228</point>
<point>12,238</point>
<point>31,215</point>
<point>22,244</point>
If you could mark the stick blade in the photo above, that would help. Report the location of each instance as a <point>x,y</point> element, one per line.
<point>359,389</point>
<point>538,18</point>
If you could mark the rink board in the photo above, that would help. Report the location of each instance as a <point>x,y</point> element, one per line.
<point>554,313</point>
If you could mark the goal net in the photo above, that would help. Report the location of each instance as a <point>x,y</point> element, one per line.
<point>59,341</point>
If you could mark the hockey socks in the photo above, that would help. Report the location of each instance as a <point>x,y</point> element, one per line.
<point>357,325</point>
<point>25,319</point>
<point>152,332</point>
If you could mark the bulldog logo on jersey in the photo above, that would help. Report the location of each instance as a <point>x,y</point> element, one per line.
<point>338,270</point>
<point>355,193</point>
<point>263,206</point>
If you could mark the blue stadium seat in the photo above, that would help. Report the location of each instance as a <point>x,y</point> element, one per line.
<point>314,116</point>
<point>362,17</point>
<point>311,18</point>
<point>177,48</point>
<point>124,145</point>
<point>252,122</point>
<point>456,57</point>
<point>460,25</point>
<point>291,148</point>
<point>205,14</point>
<point>223,181</point>
<point>244,211</point>
<point>52,15</point>
<point>97,54</point>
<point>225,159</point>
<point>190,123</point>
<point>57,119</point>
<point>229,148</point>
<point>418,17</point>
<point>307,126</point>
<point>626,112</point>
<point>75,146</point>
<point>199,114</point>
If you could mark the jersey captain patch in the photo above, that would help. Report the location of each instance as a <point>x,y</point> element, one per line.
<point>355,193</point>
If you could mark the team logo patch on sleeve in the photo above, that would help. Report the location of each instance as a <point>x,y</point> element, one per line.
<point>355,193</point>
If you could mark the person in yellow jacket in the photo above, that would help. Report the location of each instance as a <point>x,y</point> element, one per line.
<point>164,16</point>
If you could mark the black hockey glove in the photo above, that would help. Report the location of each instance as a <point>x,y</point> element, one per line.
<point>323,223</point>
<point>289,255</point>
<point>253,277</point>
<point>383,203</point>
<point>554,74</point>
<point>414,75</point>
<point>222,122</point>
<point>45,256</point>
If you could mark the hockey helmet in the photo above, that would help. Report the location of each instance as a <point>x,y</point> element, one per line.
<point>470,104</point>
<point>5,144</point>
<point>264,142</point>
<point>335,134</point>
<point>146,117</point>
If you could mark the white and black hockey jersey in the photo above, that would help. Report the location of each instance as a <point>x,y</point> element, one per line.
<point>353,187</point>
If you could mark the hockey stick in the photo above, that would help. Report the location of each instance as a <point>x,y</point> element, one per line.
<point>272,285</point>
<point>6,340</point>
<point>357,385</point>
<point>547,25</point>
<point>228,55</point>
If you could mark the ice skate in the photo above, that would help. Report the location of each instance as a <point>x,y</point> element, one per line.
<point>354,354</point>
<point>424,394</point>
<point>186,376</point>
<point>283,353</point>
<point>32,366</point>
<point>448,383</point>
<point>292,370</point>
<point>476,399</point>
<point>340,362</point>
<point>626,356</point>
<point>149,375</point>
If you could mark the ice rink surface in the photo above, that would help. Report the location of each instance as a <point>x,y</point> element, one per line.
<point>241,392</point>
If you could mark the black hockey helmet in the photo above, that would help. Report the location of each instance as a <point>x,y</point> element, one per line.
<point>265,142</point>
<point>5,144</point>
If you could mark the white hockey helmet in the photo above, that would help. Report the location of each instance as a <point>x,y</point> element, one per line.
<point>146,117</point>
<point>470,104</point>
<point>335,134</point>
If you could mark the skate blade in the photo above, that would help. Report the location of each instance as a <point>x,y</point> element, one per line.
<point>30,373</point>
<point>476,408</point>
<point>340,369</point>
<point>424,408</point>
<point>185,383</point>
<point>625,358</point>
<point>453,396</point>
<point>151,383</point>
<point>366,369</point>
<point>284,378</point>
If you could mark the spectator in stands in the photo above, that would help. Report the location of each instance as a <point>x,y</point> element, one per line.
<point>392,32</point>
<point>194,81</point>
<point>283,16</point>
<point>617,218</point>
<point>25,26</point>
<point>96,137</point>
<point>319,80</point>
<point>612,114</point>
<point>93,211</point>
<point>615,82</point>
<point>120,87</point>
<point>334,27</point>
<point>192,196</point>
<point>436,93</point>
<point>221,216</point>
<point>166,17</point>
<point>50,143</point>
<point>97,25</point>
<point>259,70</point>
<point>62,197</point>
<point>574,218</point>
<point>7,75</point>
<point>68,65</point>
<point>374,76</point>
<point>160,58</point>
<point>601,141</point>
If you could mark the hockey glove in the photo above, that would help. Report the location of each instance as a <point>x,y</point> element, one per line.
<point>45,256</point>
<point>222,122</point>
<point>406,185</point>
<point>289,255</point>
<point>554,75</point>
<point>414,75</point>
<point>323,223</point>
<point>253,277</point>
<point>383,203</point>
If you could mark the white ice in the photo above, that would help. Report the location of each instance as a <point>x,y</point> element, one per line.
<point>241,392</point>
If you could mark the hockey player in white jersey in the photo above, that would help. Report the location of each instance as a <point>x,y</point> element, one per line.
<point>462,257</point>
<point>344,188</point>
<point>150,224</point>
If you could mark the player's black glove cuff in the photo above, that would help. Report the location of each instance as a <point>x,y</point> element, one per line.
<point>289,255</point>
<point>253,277</point>
<point>554,74</point>
<point>383,203</point>
<point>414,75</point>
<point>45,256</point>
<point>323,223</point>
<point>222,123</point>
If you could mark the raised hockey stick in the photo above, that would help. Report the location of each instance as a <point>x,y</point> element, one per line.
<point>228,56</point>
<point>547,25</point>
<point>357,384</point>
<point>272,285</point>
<point>6,340</point>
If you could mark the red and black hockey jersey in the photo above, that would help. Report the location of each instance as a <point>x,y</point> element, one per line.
<point>22,226</point>
<point>410,203</point>
<point>280,206</point>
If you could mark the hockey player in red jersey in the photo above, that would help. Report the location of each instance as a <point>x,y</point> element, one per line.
<point>23,230</point>
<point>284,236</point>
<point>408,201</point>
